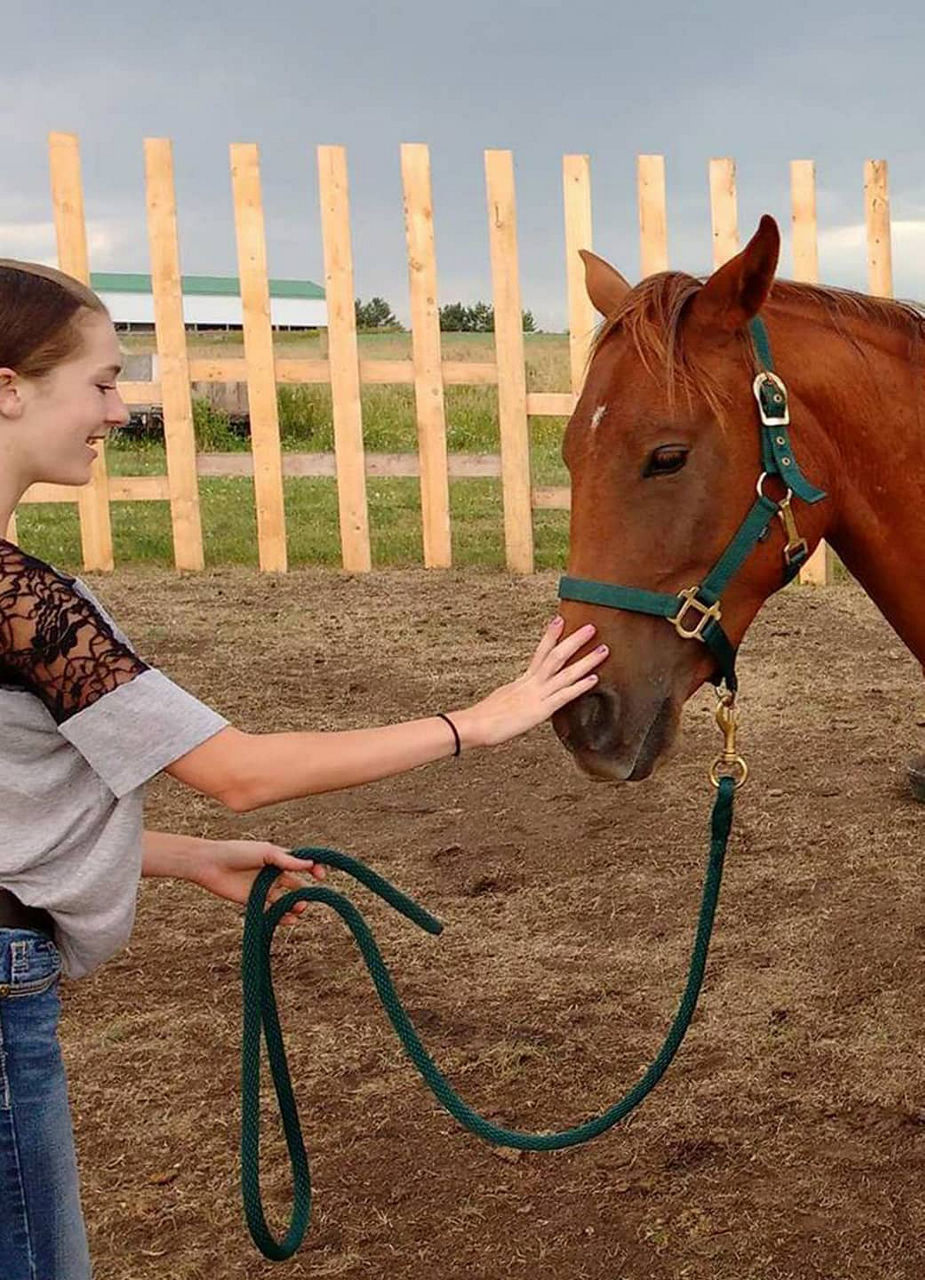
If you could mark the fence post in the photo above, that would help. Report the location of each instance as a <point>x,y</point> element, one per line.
<point>653,218</point>
<point>877,217</point>
<point>425,347</point>
<point>343,358</point>
<point>258,353</point>
<point>167,290</point>
<point>723,210</point>
<point>576,191</point>
<point>71,232</point>
<point>806,269</point>
<point>509,353</point>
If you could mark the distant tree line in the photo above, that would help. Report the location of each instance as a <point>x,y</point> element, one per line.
<point>455,317</point>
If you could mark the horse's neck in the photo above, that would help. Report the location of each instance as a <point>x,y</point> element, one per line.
<point>874,422</point>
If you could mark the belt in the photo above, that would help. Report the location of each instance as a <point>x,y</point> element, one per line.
<point>16,915</point>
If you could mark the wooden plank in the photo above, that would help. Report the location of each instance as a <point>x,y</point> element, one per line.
<point>551,404</point>
<point>71,232</point>
<point>258,353</point>
<point>582,318</point>
<point>426,357</point>
<point>509,354</point>
<point>470,373</point>
<point>11,534</point>
<point>806,269</point>
<point>653,216</point>
<point>140,489</point>
<point>460,466</point>
<point>877,217</point>
<point>557,499</point>
<point>121,489</point>
<point>173,365</point>
<point>723,210</point>
<point>233,369</point>
<point>138,393</point>
<point>343,356</point>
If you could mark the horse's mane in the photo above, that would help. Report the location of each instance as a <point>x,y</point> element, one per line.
<point>652,312</point>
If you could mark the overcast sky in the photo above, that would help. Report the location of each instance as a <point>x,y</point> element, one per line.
<point>764,84</point>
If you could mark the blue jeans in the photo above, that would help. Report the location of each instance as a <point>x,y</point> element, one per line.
<point>42,1233</point>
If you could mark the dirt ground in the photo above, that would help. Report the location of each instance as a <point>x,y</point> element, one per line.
<point>788,1137</point>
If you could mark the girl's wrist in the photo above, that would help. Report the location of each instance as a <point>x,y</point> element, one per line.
<point>467,726</point>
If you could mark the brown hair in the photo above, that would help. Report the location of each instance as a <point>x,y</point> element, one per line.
<point>40,313</point>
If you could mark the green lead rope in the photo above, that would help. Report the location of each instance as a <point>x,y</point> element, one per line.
<point>260,1013</point>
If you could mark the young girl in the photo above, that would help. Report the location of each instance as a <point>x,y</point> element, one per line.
<point>85,723</point>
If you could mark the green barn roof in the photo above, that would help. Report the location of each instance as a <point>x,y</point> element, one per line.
<point>128,282</point>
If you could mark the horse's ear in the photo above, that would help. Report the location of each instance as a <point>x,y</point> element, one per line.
<point>736,291</point>
<point>606,287</point>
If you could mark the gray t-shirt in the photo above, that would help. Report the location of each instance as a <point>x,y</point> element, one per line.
<point>84,723</point>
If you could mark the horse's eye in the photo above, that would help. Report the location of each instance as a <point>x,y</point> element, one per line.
<point>666,461</point>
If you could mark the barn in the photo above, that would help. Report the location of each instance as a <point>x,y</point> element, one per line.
<point>209,302</point>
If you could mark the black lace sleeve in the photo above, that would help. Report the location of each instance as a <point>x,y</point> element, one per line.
<point>53,642</point>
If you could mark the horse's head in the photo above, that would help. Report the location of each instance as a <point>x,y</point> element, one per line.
<point>664,453</point>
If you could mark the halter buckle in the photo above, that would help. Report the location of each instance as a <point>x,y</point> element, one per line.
<point>708,613</point>
<point>771,394</point>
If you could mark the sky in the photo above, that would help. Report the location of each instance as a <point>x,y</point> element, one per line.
<point>764,84</point>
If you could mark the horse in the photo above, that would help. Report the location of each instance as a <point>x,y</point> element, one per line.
<point>664,456</point>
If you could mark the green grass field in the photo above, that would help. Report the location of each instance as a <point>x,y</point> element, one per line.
<point>141,530</point>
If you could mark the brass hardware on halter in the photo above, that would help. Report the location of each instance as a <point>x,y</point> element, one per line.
<point>708,612</point>
<point>795,544</point>
<point>729,761</point>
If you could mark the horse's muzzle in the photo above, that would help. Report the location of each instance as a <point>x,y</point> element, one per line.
<point>613,741</point>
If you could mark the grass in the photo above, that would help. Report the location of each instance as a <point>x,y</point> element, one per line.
<point>141,530</point>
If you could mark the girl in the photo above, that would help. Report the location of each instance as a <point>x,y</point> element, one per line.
<point>85,723</point>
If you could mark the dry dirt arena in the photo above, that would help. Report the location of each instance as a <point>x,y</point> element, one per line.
<point>788,1137</point>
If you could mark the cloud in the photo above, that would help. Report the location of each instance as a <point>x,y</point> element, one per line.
<point>35,241</point>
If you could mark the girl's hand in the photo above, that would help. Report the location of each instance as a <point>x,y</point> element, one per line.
<point>546,685</point>
<point>228,869</point>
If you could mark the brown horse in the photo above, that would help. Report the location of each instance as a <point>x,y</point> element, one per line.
<point>663,450</point>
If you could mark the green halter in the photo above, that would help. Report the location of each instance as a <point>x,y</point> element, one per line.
<point>695,612</point>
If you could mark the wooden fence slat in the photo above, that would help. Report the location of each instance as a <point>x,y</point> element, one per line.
<point>653,217</point>
<point>552,498</point>
<point>258,352</point>
<point>426,354</point>
<point>723,210</point>
<point>140,392</point>
<point>877,218</point>
<point>121,489</point>
<point>582,318</point>
<point>344,363</point>
<point>11,533</point>
<point>551,404</point>
<point>806,269</point>
<point>173,365</point>
<point>509,353</point>
<point>386,372</point>
<point>461,466</point>
<point>71,233</point>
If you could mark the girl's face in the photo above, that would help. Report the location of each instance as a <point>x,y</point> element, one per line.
<point>50,427</point>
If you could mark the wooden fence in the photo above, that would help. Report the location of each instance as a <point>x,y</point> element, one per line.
<point>346,372</point>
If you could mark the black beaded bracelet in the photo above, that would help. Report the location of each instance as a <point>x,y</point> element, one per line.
<point>458,746</point>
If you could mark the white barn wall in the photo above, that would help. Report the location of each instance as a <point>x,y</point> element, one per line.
<point>208,309</point>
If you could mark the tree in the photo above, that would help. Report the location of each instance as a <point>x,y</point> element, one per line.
<point>456,317</point>
<point>375,314</point>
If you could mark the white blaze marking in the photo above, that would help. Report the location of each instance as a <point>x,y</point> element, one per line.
<point>597,415</point>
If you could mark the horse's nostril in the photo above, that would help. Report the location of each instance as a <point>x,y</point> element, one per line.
<point>593,719</point>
